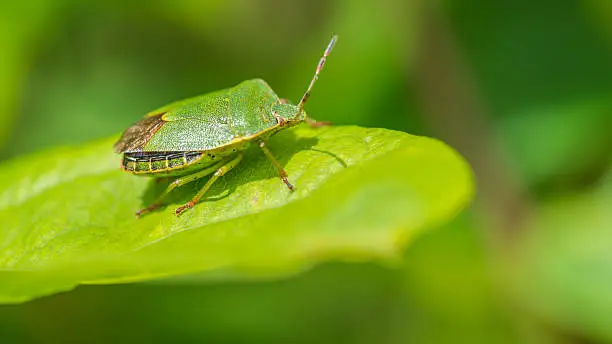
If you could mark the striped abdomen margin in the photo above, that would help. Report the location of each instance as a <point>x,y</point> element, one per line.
<point>157,161</point>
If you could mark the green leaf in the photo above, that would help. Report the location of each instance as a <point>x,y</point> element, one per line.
<point>68,215</point>
<point>572,139</point>
<point>565,267</point>
<point>22,25</point>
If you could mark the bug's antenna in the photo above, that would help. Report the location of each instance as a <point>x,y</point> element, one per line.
<point>330,46</point>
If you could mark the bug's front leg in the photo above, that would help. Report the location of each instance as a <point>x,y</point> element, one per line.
<point>281,171</point>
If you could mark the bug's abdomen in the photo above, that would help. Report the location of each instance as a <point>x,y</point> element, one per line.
<point>158,162</point>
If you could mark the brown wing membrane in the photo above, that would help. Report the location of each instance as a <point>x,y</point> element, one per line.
<point>138,134</point>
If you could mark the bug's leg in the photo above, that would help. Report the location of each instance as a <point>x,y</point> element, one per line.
<point>281,171</point>
<point>317,124</point>
<point>227,166</point>
<point>179,182</point>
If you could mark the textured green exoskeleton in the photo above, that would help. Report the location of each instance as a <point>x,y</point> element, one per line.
<point>196,137</point>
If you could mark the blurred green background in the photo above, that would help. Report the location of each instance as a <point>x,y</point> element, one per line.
<point>522,89</point>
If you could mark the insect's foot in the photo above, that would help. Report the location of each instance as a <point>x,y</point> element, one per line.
<point>183,208</point>
<point>286,181</point>
<point>147,210</point>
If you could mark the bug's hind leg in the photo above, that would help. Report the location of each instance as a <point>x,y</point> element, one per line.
<point>179,182</point>
<point>281,171</point>
<point>220,171</point>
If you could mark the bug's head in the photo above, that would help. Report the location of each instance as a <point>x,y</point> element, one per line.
<point>289,113</point>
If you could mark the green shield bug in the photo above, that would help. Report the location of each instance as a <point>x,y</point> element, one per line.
<point>206,135</point>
